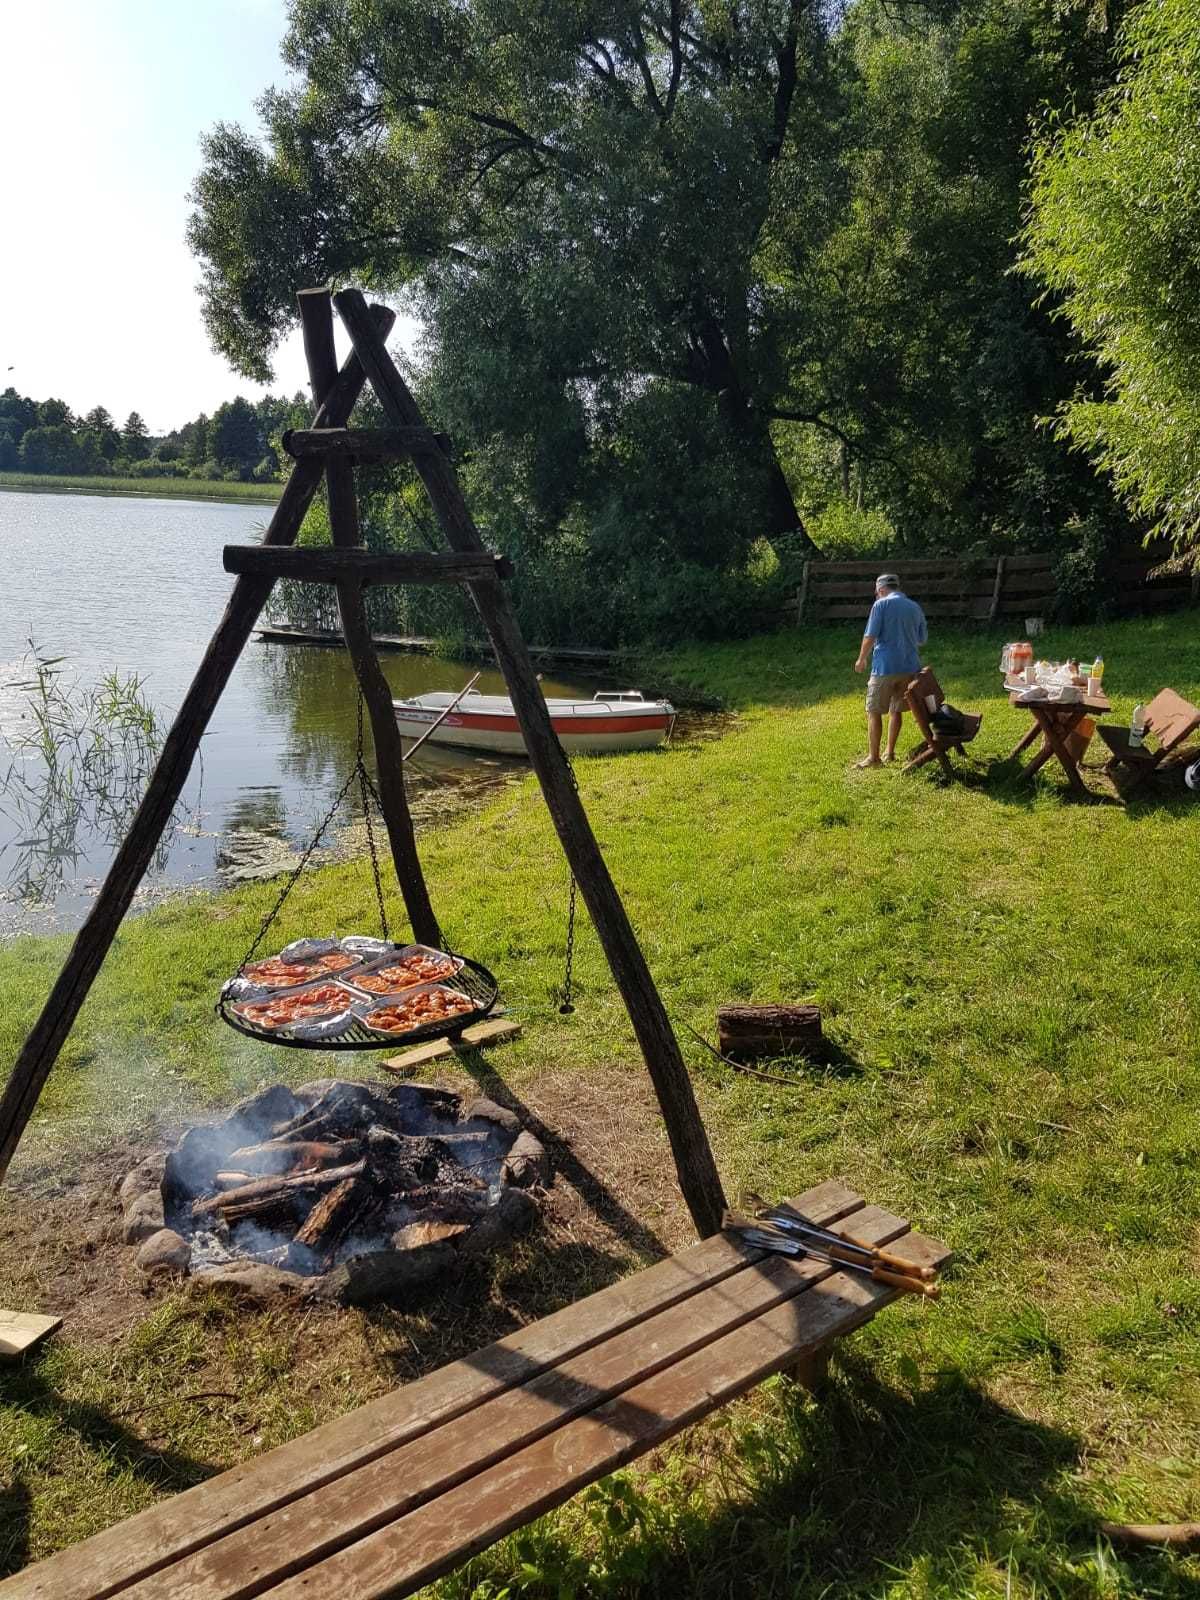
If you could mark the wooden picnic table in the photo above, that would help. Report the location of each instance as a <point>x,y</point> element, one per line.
<point>1056,723</point>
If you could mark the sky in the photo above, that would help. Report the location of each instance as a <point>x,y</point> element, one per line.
<point>102,107</point>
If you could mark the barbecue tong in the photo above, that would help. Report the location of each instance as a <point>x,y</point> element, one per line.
<point>784,1244</point>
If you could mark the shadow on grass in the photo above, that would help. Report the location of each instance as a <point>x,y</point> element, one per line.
<point>165,1471</point>
<point>871,1486</point>
<point>487,1300</point>
<point>589,1186</point>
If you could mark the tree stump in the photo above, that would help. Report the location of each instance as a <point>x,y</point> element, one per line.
<point>746,1032</point>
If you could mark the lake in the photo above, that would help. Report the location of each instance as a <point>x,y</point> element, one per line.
<point>136,586</point>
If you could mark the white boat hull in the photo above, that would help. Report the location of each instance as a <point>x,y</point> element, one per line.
<point>584,727</point>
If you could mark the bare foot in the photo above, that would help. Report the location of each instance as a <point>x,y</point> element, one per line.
<point>889,757</point>
<point>868,761</point>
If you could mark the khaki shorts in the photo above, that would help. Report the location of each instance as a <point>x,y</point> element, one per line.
<point>886,693</point>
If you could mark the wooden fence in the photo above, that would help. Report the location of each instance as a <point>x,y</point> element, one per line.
<point>982,590</point>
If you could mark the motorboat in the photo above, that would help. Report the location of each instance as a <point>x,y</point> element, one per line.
<point>621,720</point>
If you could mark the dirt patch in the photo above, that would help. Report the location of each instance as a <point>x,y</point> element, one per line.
<point>612,1206</point>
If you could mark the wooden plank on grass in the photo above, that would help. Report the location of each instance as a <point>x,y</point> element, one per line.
<point>112,1561</point>
<point>403,1556</point>
<point>21,1330</point>
<point>496,1030</point>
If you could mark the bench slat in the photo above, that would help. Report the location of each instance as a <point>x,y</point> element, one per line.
<point>302,1533</point>
<point>441,1534</point>
<point>111,1561</point>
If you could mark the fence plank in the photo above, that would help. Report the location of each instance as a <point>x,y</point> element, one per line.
<point>863,591</point>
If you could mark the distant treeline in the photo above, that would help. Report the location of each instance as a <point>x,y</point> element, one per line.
<point>239,443</point>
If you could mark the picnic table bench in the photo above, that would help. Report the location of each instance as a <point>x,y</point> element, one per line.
<point>395,1494</point>
<point>1170,718</point>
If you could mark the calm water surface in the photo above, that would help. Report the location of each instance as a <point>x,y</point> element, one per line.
<point>137,586</point>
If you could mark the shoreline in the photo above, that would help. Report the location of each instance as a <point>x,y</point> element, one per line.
<point>201,489</point>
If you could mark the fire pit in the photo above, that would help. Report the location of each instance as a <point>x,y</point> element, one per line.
<point>338,1190</point>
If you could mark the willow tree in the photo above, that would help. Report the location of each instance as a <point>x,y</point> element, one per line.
<point>579,189</point>
<point>1114,231</point>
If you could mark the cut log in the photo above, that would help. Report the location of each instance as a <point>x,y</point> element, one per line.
<point>750,1031</point>
<point>264,1188</point>
<point>290,1155</point>
<point>285,1206</point>
<point>333,1215</point>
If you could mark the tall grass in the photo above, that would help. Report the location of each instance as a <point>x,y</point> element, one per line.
<point>77,764</point>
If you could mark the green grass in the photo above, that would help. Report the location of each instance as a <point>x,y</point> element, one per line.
<point>1011,980</point>
<point>171,488</point>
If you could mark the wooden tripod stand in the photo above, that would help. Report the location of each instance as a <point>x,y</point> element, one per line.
<point>328,450</point>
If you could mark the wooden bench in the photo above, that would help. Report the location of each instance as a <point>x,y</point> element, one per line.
<point>401,1491</point>
<point>1170,719</point>
<point>936,746</point>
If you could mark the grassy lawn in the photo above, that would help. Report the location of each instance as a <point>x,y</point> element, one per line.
<point>1011,979</point>
<point>154,488</point>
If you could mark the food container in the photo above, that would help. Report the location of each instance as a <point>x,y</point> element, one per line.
<point>439,965</point>
<point>427,1005</point>
<point>312,959</point>
<point>337,1010</point>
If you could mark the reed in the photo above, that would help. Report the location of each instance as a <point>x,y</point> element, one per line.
<point>78,758</point>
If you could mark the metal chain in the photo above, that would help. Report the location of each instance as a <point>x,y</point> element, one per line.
<point>299,868</point>
<point>567,1006</point>
<point>365,788</point>
<point>359,772</point>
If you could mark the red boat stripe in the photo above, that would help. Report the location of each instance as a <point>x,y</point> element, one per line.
<point>561,725</point>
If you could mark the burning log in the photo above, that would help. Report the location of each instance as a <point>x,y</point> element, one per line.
<point>264,1188</point>
<point>343,1108</point>
<point>329,1221</point>
<point>282,1206</point>
<point>287,1155</point>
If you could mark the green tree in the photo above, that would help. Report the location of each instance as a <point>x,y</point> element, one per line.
<point>1114,231</point>
<point>105,439</point>
<point>55,414</point>
<point>582,191</point>
<point>49,449</point>
<point>17,412</point>
<point>235,438</point>
<point>922,362</point>
<point>135,444</point>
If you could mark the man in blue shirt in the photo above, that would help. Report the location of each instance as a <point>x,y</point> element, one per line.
<point>895,631</point>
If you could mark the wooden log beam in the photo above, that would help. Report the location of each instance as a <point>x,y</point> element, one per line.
<point>365,444</point>
<point>745,1032</point>
<point>40,1050</point>
<point>363,566</point>
<point>698,1176</point>
<point>316,320</point>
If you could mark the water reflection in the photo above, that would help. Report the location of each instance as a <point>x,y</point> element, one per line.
<point>147,589</point>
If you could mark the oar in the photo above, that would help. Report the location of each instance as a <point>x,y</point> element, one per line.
<point>437,722</point>
<point>792,1221</point>
<point>780,1244</point>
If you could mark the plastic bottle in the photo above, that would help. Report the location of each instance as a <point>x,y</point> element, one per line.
<point>1137,727</point>
<point>1097,670</point>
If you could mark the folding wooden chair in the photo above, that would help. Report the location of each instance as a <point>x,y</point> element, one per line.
<point>1170,718</point>
<point>937,746</point>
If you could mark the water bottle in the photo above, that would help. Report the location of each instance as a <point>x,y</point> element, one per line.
<point>1137,727</point>
<point>1096,676</point>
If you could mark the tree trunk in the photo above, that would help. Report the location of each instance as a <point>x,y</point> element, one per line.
<point>714,367</point>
